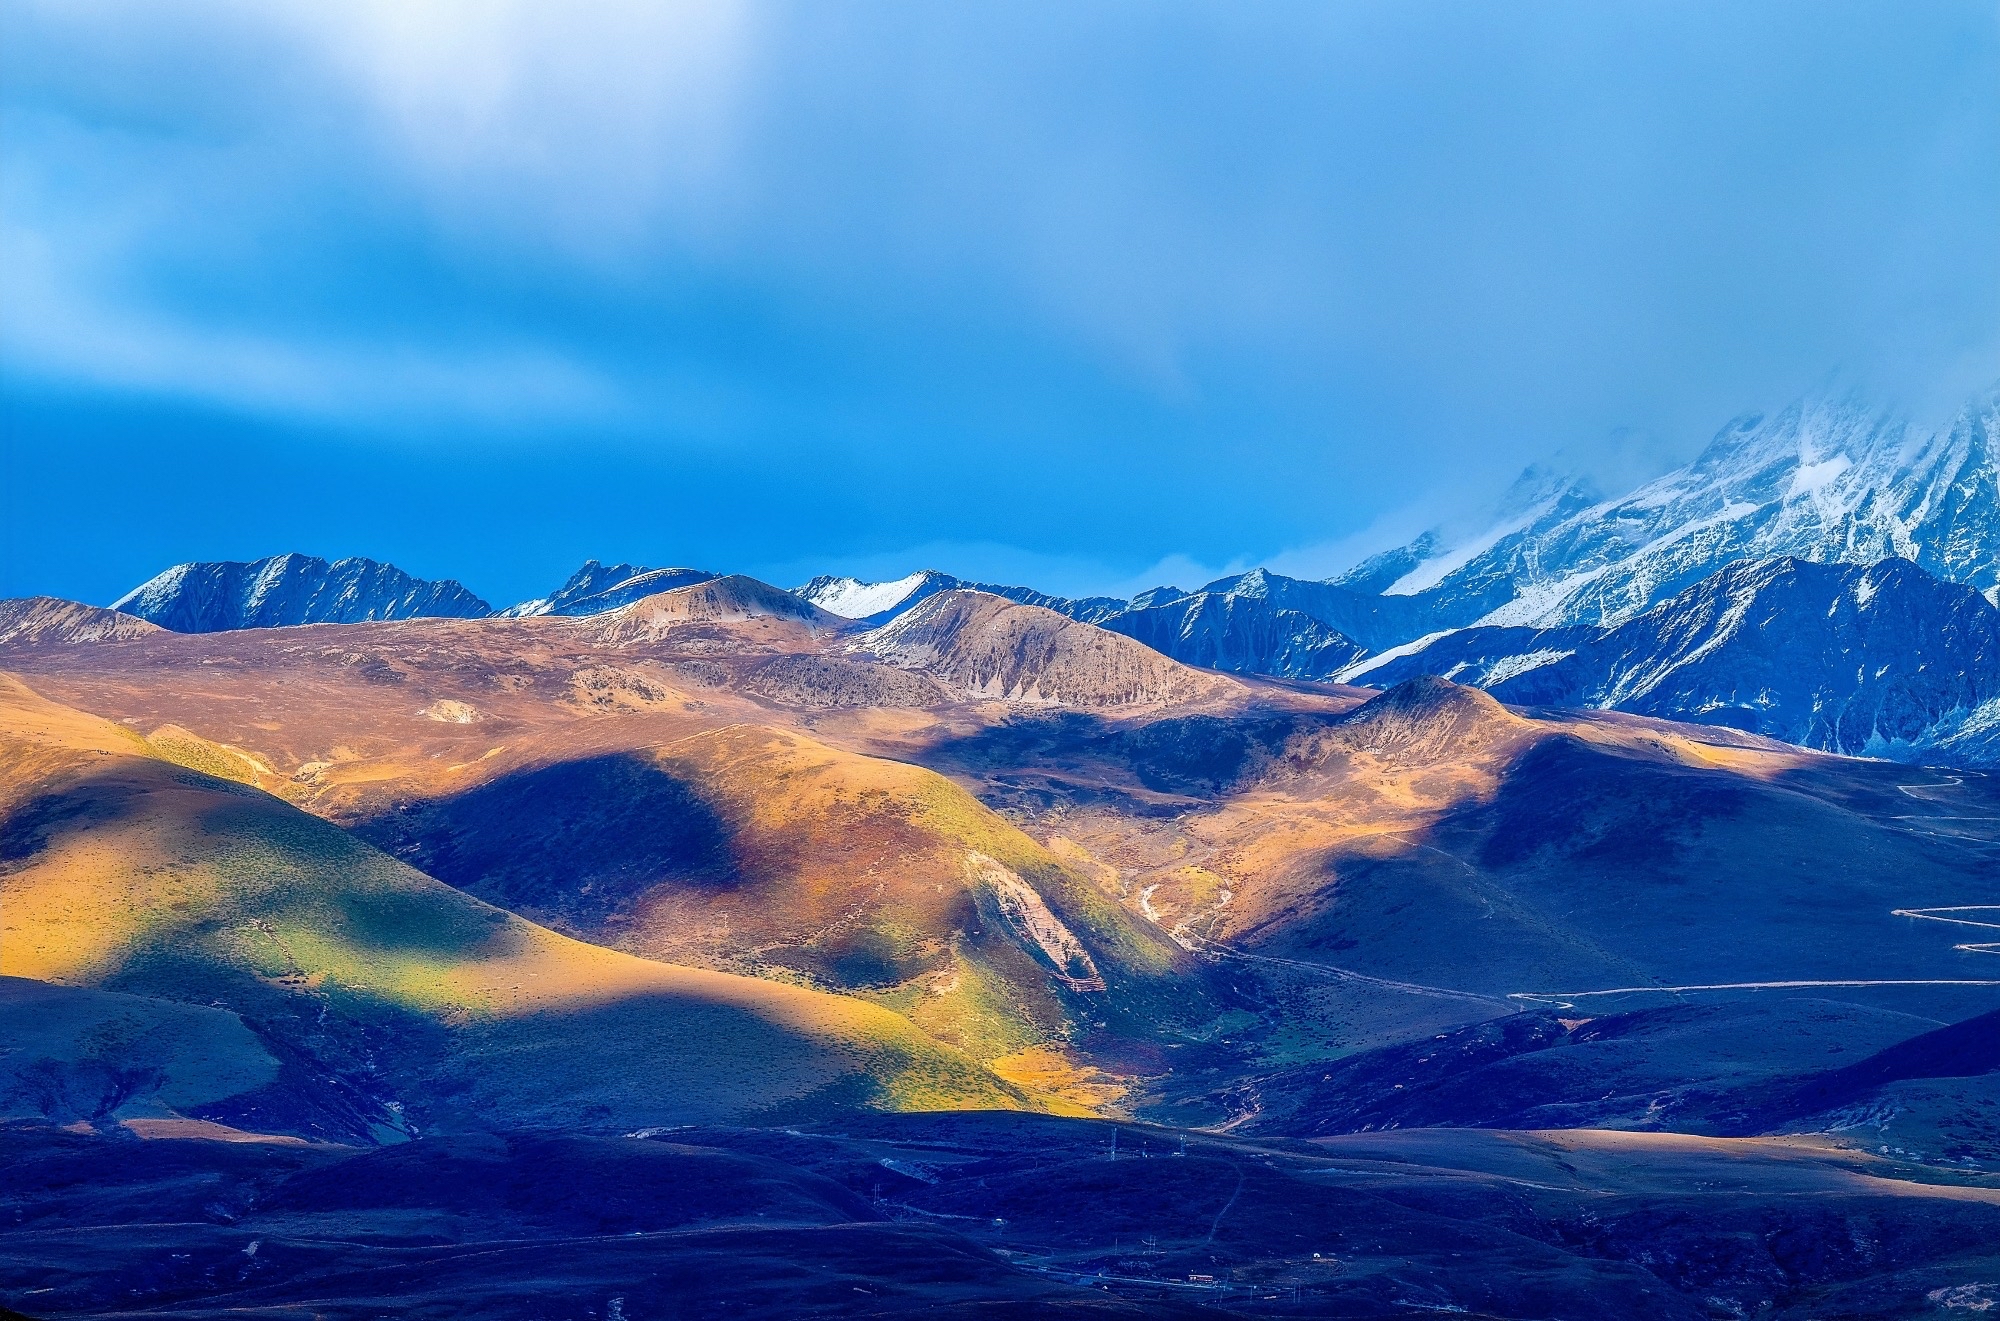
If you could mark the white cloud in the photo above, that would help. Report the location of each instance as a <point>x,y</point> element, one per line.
<point>51,326</point>
<point>585,125</point>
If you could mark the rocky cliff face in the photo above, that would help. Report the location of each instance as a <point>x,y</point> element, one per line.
<point>215,597</point>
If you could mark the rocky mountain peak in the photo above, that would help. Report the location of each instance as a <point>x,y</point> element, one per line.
<point>281,590</point>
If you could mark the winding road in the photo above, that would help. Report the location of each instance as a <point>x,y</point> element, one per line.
<point>1220,950</point>
<point>1565,999</point>
<point>1936,915</point>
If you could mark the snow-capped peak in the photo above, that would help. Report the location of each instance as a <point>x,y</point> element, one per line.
<point>851,598</point>
<point>1832,480</point>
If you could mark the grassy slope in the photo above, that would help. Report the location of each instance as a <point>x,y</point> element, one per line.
<point>126,872</point>
<point>840,815</point>
<point>763,850</point>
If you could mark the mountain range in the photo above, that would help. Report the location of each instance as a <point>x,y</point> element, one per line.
<point>1556,570</point>
<point>1828,480</point>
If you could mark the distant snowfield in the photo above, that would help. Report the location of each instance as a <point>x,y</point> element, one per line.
<point>1435,570</point>
<point>1831,479</point>
<point>1381,658</point>
<point>851,598</point>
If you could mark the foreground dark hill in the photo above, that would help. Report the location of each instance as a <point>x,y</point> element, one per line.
<point>979,1216</point>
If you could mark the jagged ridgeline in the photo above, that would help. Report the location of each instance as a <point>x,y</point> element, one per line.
<point>291,589</point>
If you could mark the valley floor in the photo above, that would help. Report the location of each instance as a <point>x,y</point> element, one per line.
<point>983,1215</point>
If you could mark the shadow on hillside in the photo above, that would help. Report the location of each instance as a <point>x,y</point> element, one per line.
<point>90,803</point>
<point>1589,867</point>
<point>576,838</point>
<point>1196,755</point>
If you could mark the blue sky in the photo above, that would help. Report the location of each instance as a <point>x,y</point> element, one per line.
<point>1089,296</point>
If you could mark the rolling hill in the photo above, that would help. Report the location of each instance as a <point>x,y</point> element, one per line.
<point>1169,886</point>
<point>32,620</point>
<point>645,780</point>
<point>728,600</point>
<point>987,646</point>
<point>767,852</point>
<point>129,874</point>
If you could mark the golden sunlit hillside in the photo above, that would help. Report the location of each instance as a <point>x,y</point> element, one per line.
<point>129,873</point>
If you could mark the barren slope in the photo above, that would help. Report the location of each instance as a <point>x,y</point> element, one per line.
<point>987,646</point>
<point>30,620</point>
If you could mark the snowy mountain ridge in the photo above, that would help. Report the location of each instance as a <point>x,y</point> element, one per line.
<point>851,598</point>
<point>876,603</point>
<point>1831,480</point>
<point>1884,659</point>
<point>215,596</point>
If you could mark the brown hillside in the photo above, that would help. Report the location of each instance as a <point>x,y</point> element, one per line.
<point>32,620</point>
<point>731,600</point>
<point>987,647</point>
